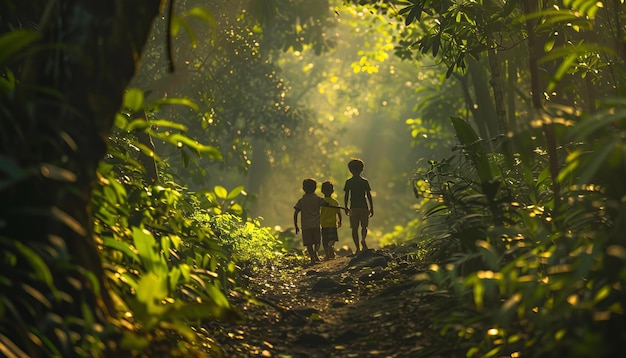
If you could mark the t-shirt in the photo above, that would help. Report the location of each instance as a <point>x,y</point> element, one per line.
<point>357,186</point>
<point>328,216</point>
<point>309,206</point>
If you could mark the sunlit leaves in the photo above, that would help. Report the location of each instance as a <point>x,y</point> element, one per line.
<point>587,7</point>
<point>220,192</point>
<point>147,251</point>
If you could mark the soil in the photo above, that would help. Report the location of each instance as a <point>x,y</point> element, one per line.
<point>368,305</point>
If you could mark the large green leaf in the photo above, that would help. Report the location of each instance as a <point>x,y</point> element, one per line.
<point>471,142</point>
<point>13,42</point>
<point>123,247</point>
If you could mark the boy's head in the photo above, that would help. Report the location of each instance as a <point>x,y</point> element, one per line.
<point>327,188</point>
<point>309,185</point>
<point>355,166</point>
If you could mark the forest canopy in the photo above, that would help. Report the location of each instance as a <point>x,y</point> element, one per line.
<point>151,154</point>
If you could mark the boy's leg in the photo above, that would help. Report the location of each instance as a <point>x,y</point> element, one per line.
<point>317,238</point>
<point>311,252</point>
<point>311,239</point>
<point>354,224</point>
<point>355,238</point>
<point>364,235</point>
<point>364,221</point>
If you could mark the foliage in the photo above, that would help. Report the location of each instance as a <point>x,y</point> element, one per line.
<point>223,58</point>
<point>171,254</point>
<point>31,285</point>
<point>250,243</point>
<point>535,284</point>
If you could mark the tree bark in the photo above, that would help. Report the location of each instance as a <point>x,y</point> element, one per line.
<point>64,107</point>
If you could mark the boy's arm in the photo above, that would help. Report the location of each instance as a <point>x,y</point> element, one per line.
<point>345,201</point>
<point>295,219</point>
<point>371,203</point>
<point>328,205</point>
<point>339,218</point>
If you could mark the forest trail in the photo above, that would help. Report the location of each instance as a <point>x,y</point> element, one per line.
<point>361,306</point>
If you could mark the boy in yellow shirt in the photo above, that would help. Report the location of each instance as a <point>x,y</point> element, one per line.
<point>330,220</point>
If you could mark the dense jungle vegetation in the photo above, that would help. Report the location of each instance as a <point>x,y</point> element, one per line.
<point>151,153</point>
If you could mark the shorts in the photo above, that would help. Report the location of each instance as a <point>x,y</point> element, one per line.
<point>359,216</point>
<point>311,236</point>
<point>329,235</point>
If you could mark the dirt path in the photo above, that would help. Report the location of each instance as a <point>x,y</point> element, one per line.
<point>364,306</point>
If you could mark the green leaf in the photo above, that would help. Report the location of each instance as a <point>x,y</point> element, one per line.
<point>140,124</point>
<point>174,101</point>
<point>123,247</point>
<point>175,25</point>
<point>470,140</point>
<point>133,99</point>
<point>181,140</point>
<point>597,161</point>
<point>7,83</point>
<point>144,243</point>
<point>38,265</point>
<point>235,192</point>
<point>184,155</point>
<point>13,42</point>
<point>168,124</point>
<point>174,276</point>
<point>147,151</point>
<point>202,14</point>
<point>561,71</point>
<point>220,192</point>
<point>121,121</point>
<point>165,246</point>
<point>151,290</point>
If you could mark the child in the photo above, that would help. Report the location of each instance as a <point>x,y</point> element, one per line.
<point>309,205</point>
<point>330,220</point>
<point>358,194</point>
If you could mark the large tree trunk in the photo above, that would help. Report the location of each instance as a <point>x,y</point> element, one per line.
<point>61,115</point>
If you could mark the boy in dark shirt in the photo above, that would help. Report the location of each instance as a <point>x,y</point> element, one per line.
<point>359,197</point>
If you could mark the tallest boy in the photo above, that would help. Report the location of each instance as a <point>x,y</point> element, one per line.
<point>358,195</point>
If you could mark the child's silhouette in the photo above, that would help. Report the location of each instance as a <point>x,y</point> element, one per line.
<point>359,197</point>
<point>330,220</point>
<point>309,207</point>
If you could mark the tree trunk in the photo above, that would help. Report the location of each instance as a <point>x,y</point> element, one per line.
<point>485,113</point>
<point>535,48</point>
<point>511,84</point>
<point>498,92</point>
<point>63,109</point>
